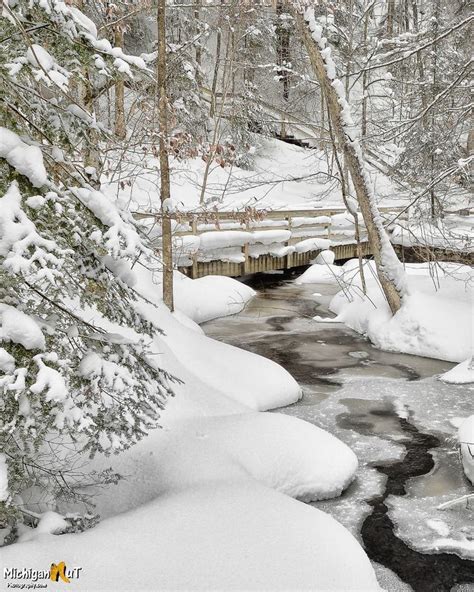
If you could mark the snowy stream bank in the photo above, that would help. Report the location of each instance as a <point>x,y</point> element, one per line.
<point>394,413</point>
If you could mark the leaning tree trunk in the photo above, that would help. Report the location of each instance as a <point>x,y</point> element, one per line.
<point>167,252</point>
<point>389,269</point>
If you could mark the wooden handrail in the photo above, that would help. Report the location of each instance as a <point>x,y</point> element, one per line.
<point>244,215</point>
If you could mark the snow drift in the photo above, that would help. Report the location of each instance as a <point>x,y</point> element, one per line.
<point>435,319</point>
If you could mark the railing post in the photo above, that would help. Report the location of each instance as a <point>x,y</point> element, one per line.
<point>194,267</point>
<point>289,257</point>
<point>246,252</point>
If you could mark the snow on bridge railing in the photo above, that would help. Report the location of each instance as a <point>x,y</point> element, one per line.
<point>238,237</point>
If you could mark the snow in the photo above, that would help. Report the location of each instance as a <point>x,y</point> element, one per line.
<point>463,373</point>
<point>49,523</point>
<point>50,380</point>
<point>251,380</point>
<point>225,238</point>
<point>312,244</point>
<point>20,243</point>
<point>466,440</point>
<point>224,535</point>
<point>7,361</point>
<point>205,503</point>
<point>40,58</point>
<point>439,527</point>
<point>283,453</point>
<point>278,180</point>
<point>26,159</point>
<point>435,319</point>
<point>325,258</point>
<point>209,297</point>
<point>83,20</point>
<point>267,237</point>
<point>320,274</point>
<point>18,327</point>
<point>121,238</point>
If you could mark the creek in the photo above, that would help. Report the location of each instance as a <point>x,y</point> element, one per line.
<point>394,413</point>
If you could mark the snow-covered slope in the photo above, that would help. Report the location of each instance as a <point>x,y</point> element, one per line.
<point>282,177</point>
<point>204,503</point>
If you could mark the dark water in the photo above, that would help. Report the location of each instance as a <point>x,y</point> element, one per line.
<point>278,324</point>
<point>423,572</point>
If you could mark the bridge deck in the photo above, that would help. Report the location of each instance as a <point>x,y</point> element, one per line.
<point>269,262</point>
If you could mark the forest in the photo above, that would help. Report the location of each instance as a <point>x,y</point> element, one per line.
<point>236,295</point>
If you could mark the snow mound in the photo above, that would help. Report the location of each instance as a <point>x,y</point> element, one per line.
<point>325,258</point>
<point>205,538</point>
<point>466,440</point>
<point>435,319</point>
<point>249,379</point>
<point>320,273</point>
<point>211,296</point>
<point>463,373</point>
<point>284,453</point>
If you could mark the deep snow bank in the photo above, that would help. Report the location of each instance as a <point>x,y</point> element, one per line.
<point>250,379</point>
<point>197,508</point>
<point>435,319</point>
<point>216,536</point>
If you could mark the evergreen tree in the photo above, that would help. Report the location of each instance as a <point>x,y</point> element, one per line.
<point>70,382</point>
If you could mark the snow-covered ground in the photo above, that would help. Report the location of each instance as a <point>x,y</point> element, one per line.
<point>435,319</point>
<point>206,502</point>
<point>282,176</point>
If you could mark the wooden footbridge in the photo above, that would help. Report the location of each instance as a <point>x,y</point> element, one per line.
<point>249,241</point>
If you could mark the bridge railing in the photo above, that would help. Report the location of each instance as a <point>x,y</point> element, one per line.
<point>242,242</point>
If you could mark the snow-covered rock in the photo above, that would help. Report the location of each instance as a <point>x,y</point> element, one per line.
<point>462,373</point>
<point>284,453</point>
<point>466,441</point>
<point>320,274</point>
<point>325,258</point>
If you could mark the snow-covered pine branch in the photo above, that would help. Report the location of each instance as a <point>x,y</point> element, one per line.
<point>74,364</point>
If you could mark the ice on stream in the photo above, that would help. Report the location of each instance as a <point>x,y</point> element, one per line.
<point>356,392</point>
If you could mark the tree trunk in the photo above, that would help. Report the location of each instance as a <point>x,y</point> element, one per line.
<point>119,126</point>
<point>212,109</point>
<point>390,18</point>
<point>91,152</point>
<point>167,252</point>
<point>389,268</point>
<point>283,56</point>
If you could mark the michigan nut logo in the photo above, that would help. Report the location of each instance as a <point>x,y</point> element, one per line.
<point>58,571</point>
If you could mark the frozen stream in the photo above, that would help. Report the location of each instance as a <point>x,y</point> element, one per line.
<point>397,417</point>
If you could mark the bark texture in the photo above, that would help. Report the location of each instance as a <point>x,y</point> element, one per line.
<point>167,251</point>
